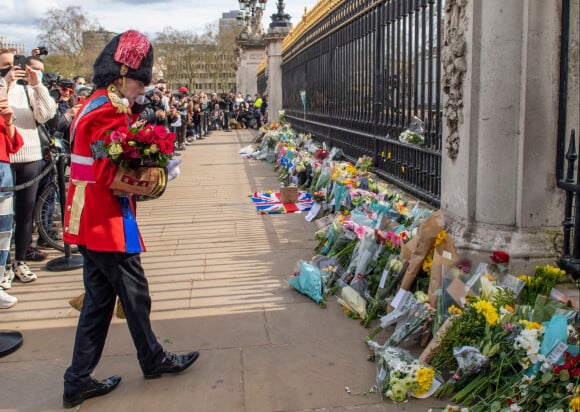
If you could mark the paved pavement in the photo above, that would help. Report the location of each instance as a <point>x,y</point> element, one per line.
<point>217,273</point>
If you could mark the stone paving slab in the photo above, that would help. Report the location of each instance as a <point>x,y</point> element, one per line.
<point>217,272</point>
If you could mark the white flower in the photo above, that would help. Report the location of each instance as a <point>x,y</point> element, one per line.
<point>572,334</point>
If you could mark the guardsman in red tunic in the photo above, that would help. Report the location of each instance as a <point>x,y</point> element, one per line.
<point>101,221</point>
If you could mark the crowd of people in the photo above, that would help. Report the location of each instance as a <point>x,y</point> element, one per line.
<point>193,115</point>
<point>33,98</point>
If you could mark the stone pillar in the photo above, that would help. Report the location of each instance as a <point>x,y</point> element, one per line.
<point>279,29</point>
<point>274,72</point>
<point>250,55</point>
<point>501,77</point>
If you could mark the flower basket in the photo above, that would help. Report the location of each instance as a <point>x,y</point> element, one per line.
<point>289,194</point>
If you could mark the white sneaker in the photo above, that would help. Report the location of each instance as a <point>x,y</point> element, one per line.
<point>7,277</point>
<point>6,300</point>
<point>23,272</point>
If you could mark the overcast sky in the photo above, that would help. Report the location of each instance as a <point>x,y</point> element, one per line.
<point>18,17</point>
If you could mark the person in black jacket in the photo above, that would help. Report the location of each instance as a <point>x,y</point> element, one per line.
<point>155,114</point>
<point>68,107</point>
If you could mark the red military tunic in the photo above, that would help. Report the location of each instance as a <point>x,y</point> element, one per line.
<point>93,215</point>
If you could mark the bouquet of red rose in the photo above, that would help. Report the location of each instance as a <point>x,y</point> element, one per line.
<point>321,154</point>
<point>142,154</point>
<point>149,145</point>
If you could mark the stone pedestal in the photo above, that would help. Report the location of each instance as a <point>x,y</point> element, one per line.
<point>498,187</point>
<point>251,53</point>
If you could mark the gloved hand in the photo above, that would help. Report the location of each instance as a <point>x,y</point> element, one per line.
<point>173,169</point>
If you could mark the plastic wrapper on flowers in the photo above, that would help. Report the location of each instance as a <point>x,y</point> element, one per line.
<point>308,282</point>
<point>405,302</point>
<point>415,132</point>
<point>470,361</point>
<point>353,302</point>
<point>417,322</point>
<point>400,375</point>
<point>330,271</point>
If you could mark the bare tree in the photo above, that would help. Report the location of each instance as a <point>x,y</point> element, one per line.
<point>205,61</point>
<point>176,58</point>
<point>63,36</point>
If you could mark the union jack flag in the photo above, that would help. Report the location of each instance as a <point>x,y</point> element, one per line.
<point>269,203</point>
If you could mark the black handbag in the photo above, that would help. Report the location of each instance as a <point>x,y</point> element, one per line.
<point>45,139</point>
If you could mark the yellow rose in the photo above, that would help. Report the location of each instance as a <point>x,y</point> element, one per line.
<point>115,150</point>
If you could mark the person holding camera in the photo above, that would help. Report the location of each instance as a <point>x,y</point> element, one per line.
<point>32,105</point>
<point>155,114</point>
<point>67,107</point>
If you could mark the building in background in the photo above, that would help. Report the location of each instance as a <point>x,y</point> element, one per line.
<point>96,40</point>
<point>5,42</point>
<point>201,63</point>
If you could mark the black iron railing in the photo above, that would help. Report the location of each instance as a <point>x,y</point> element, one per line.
<point>262,82</point>
<point>359,76</point>
<point>570,260</point>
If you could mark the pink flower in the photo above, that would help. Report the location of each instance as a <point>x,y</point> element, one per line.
<point>118,136</point>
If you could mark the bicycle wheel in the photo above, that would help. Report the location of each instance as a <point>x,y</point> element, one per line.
<point>48,217</point>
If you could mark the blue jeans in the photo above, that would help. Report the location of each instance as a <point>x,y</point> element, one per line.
<point>6,213</point>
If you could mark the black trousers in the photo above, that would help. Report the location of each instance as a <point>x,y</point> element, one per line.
<point>24,201</point>
<point>107,275</point>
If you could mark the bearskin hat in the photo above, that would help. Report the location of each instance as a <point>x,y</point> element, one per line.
<point>128,54</point>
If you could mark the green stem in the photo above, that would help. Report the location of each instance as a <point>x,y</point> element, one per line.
<point>374,333</point>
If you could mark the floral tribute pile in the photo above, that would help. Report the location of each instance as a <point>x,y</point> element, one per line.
<point>491,340</point>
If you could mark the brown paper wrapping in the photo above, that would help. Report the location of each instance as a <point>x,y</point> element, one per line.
<point>415,250</point>
<point>435,343</point>
<point>444,255</point>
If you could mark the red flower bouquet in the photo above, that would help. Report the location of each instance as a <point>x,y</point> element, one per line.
<point>500,257</point>
<point>321,154</point>
<point>146,146</point>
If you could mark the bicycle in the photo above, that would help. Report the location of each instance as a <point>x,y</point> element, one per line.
<point>50,204</point>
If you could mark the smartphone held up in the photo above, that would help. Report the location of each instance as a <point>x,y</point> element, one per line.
<point>20,61</point>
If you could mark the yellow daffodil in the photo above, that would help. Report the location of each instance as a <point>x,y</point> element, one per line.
<point>440,238</point>
<point>454,310</point>
<point>575,402</point>
<point>488,311</point>
<point>531,325</point>
<point>424,380</point>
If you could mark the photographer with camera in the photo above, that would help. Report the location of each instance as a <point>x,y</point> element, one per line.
<point>67,107</point>
<point>227,107</point>
<point>32,105</point>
